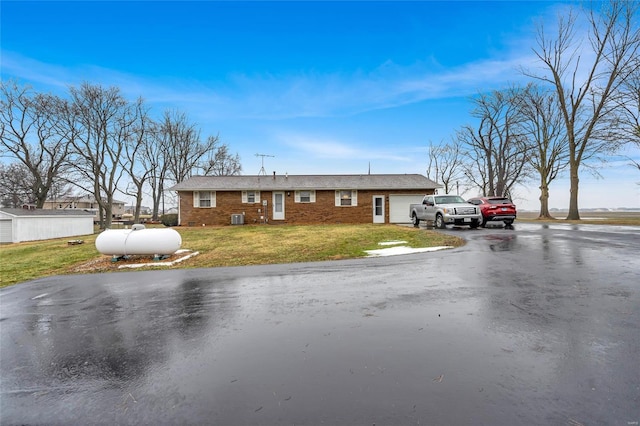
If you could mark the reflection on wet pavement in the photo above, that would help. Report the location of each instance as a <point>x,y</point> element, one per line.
<point>535,325</point>
<point>501,242</point>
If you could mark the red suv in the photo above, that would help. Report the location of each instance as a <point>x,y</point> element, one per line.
<point>495,209</point>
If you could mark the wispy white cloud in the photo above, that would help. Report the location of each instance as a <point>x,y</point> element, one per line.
<point>322,147</point>
<point>57,78</point>
<point>30,70</point>
<point>388,86</point>
<point>306,94</point>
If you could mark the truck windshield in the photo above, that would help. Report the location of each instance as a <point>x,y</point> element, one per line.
<point>449,199</point>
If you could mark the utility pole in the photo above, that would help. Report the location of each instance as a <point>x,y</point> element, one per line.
<point>263,172</point>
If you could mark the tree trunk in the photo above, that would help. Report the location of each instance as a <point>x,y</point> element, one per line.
<point>155,197</point>
<point>101,216</point>
<point>544,200</point>
<point>108,212</point>
<point>574,213</point>
<point>41,197</point>
<point>136,217</point>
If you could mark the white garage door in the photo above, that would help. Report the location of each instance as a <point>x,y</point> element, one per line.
<point>6,231</point>
<point>399,207</point>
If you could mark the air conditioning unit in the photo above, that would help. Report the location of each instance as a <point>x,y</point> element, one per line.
<point>237,219</point>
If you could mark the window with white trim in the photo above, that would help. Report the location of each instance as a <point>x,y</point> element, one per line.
<point>251,197</point>
<point>204,198</point>
<point>305,196</point>
<point>348,197</point>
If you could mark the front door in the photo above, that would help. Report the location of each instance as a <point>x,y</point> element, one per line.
<point>278,206</point>
<point>378,209</point>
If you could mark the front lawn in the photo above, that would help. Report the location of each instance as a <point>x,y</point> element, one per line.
<point>222,246</point>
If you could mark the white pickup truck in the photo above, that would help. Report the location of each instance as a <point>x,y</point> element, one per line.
<point>445,209</point>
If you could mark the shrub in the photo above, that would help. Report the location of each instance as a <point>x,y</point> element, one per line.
<point>169,219</point>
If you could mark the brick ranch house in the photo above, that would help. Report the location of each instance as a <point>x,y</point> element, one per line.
<point>299,199</point>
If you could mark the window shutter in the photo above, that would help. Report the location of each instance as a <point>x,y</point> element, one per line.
<point>313,196</point>
<point>244,197</point>
<point>213,198</point>
<point>257,195</point>
<point>196,199</point>
<point>297,196</point>
<point>337,198</point>
<point>354,197</point>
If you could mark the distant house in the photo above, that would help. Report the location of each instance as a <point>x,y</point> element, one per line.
<point>85,202</point>
<point>131,210</point>
<point>300,199</point>
<point>18,225</point>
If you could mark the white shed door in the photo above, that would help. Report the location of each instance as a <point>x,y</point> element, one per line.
<point>399,207</point>
<point>6,234</point>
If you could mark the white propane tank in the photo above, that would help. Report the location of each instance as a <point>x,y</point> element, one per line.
<point>138,240</point>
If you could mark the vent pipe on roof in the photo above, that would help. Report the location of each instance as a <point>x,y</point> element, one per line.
<point>274,175</point>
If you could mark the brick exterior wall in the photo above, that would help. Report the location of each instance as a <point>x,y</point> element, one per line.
<point>323,210</point>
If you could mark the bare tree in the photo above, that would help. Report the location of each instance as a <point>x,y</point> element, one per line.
<point>496,150</point>
<point>16,183</point>
<point>182,138</point>
<point>154,159</point>
<point>543,126</point>
<point>628,117</point>
<point>177,154</point>
<point>61,190</point>
<point>585,77</point>
<point>105,123</point>
<point>30,134</point>
<point>222,163</point>
<point>139,138</point>
<point>446,164</point>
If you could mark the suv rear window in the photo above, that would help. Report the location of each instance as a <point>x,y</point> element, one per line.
<point>499,200</point>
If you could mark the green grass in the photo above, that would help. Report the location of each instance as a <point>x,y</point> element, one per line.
<point>25,261</point>
<point>252,245</point>
<point>222,246</point>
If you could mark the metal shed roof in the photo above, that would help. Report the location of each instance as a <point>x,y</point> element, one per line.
<point>293,182</point>
<point>44,212</point>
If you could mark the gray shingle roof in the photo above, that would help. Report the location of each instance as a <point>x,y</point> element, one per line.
<point>44,212</point>
<point>293,182</point>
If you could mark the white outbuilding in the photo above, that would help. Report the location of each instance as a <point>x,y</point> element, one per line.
<point>18,225</point>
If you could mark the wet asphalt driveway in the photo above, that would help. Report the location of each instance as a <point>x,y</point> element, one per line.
<point>535,325</point>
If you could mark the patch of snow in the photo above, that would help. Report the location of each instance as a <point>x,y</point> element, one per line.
<point>394,251</point>
<point>140,265</point>
<point>391,243</point>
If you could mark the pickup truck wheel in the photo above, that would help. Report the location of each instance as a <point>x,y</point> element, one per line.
<point>474,224</point>
<point>415,220</point>
<point>439,223</point>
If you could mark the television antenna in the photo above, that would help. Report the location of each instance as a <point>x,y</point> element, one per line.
<point>263,172</point>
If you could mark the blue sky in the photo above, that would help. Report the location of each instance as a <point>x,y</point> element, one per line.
<point>324,87</point>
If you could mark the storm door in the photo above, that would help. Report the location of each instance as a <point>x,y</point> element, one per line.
<point>278,206</point>
<point>378,209</point>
